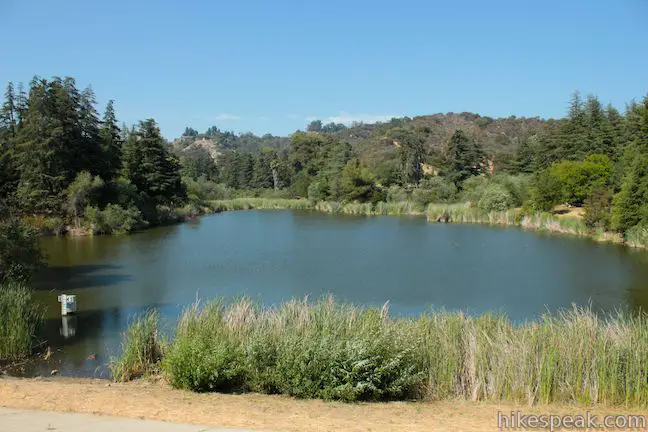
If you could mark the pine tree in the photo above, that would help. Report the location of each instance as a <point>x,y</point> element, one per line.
<point>150,166</point>
<point>464,158</point>
<point>111,143</point>
<point>8,177</point>
<point>92,157</point>
<point>262,177</point>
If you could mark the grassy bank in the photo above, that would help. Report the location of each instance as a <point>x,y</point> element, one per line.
<point>336,351</point>
<point>449,213</point>
<point>20,317</point>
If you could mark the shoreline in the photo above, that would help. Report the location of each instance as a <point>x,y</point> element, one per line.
<point>155,400</point>
<point>461,213</point>
<point>457,213</point>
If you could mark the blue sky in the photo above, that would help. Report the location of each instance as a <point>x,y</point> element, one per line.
<point>270,66</point>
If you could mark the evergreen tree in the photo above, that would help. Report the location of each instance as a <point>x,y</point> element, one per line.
<point>464,158</point>
<point>91,150</point>
<point>245,171</point>
<point>111,143</point>
<point>8,177</point>
<point>262,177</point>
<point>150,166</point>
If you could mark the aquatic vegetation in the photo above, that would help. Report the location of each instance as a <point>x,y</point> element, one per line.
<point>332,350</point>
<point>142,349</point>
<point>20,317</point>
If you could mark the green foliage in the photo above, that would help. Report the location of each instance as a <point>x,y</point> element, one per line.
<point>546,192</point>
<point>202,190</point>
<point>317,191</point>
<point>21,317</point>
<point>631,203</point>
<point>357,183</point>
<point>580,179</point>
<point>495,198</point>
<point>464,158</point>
<point>434,190</point>
<point>149,165</point>
<point>597,209</point>
<point>20,256</point>
<point>80,191</point>
<point>142,349</point>
<point>113,219</point>
<point>336,351</point>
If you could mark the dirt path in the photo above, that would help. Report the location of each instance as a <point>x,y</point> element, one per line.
<point>156,401</point>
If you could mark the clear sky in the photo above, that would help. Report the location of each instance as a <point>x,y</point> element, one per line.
<point>271,65</point>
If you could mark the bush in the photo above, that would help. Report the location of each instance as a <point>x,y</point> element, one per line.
<point>317,191</point>
<point>546,191</point>
<point>396,194</point>
<point>114,219</point>
<point>473,188</point>
<point>495,197</point>
<point>141,349</point>
<point>21,317</point>
<point>206,354</point>
<point>434,190</point>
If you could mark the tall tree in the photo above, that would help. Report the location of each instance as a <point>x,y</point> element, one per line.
<point>91,150</point>
<point>150,166</point>
<point>464,158</point>
<point>111,143</point>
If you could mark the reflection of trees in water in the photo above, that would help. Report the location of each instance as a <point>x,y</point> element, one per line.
<point>80,277</point>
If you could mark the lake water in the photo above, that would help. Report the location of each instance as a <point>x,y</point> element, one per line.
<point>273,256</point>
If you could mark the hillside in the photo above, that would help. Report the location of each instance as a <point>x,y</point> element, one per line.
<point>378,142</point>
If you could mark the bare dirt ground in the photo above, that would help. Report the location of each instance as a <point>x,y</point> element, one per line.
<point>157,401</point>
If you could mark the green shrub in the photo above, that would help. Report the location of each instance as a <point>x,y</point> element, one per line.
<point>206,354</point>
<point>21,317</point>
<point>495,197</point>
<point>317,191</point>
<point>396,194</point>
<point>113,219</point>
<point>141,349</point>
<point>336,351</point>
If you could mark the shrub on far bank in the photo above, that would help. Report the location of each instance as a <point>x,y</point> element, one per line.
<point>113,219</point>
<point>21,317</point>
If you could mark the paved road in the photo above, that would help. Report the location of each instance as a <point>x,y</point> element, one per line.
<point>14,420</point>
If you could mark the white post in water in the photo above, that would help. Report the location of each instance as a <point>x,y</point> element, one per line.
<point>68,304</point>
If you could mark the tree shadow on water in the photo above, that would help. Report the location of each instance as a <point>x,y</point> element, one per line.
<point>60,278</point>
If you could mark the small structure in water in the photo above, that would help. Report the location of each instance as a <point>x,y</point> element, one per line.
<point>68,304</point>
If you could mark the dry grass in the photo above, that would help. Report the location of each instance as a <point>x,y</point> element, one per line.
<point>156,401</point>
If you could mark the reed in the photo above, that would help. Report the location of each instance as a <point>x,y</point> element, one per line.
<point>260,203</point>
<point>142,349</point>
<point>20,318</point>
<point>332,350</point>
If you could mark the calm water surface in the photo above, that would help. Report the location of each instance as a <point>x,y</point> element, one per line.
<point>274,256</point>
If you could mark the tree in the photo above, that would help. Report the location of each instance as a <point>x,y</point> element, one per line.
<point>546,191</point>
<point>262,177</point>
<point>579,179</point>
<point>80,191</point>
<point>314,126</point>
<point>630,206</point>
<point>464,158</point>
<point>111,144</point>
<point>411,150</point>
<point>357,183</point>
<point>150,167</point>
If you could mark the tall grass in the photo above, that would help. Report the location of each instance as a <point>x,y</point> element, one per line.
<point>20,317</point>
<point>142,349</point>
<point>261,204</point>
<point>331,350</point>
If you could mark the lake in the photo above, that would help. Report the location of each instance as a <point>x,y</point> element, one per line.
<point>272,256</point>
